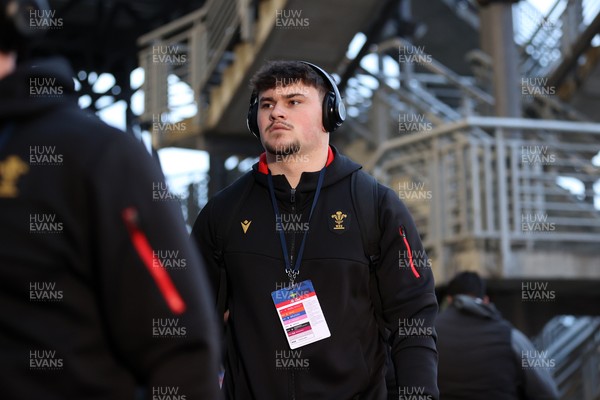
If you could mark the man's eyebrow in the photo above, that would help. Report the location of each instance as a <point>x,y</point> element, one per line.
<point>287,96</point>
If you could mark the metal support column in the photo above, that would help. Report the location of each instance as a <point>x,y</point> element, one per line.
<point>497,40</point>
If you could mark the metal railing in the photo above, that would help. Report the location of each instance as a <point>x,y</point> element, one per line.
<point>544,39</point>
<point>190,50</point>
<point>573,345</point>
<point>534,97</point>
<point>371,92</point>
<point>504,187</point>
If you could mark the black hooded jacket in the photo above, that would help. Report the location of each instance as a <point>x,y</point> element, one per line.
<point>483,356</point>
<point>83,316</point>
<point>351,363</point>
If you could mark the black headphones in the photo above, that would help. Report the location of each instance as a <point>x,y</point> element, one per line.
<point>334,111</point>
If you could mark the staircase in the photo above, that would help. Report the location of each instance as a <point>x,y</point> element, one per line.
<point>487,193</point>
<point>573,345</point>
<point>216,49</point>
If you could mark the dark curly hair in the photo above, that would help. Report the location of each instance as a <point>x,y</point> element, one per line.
<point>273,72</point>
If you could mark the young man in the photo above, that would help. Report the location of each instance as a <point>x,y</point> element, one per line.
<point>91,306</point>
<point>292,268</point>
<point>481,354</point>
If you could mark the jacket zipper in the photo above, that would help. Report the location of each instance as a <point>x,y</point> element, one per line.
<point>408,249</point>
<point>293,385</point>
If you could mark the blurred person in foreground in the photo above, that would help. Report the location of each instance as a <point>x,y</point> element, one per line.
<point>481,355</point>
<point>89,308</point>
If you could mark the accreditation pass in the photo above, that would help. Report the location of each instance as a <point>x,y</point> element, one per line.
<point>300,314</point>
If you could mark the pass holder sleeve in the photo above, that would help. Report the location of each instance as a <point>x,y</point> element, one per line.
<point>300,314</point>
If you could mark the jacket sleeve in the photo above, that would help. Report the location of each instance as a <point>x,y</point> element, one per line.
<point>538,382</point>
<point>205,237</point>
<point>153,290</point>
<point>409,306</point>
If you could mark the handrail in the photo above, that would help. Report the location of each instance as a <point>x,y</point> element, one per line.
<point>484,122</point>
<point>502,187</point>
<point>200,39</point>
<point>437,68</point>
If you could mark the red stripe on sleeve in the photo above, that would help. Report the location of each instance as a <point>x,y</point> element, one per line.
<point>158,273</point>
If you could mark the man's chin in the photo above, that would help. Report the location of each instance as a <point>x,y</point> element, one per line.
<point>282,149</point>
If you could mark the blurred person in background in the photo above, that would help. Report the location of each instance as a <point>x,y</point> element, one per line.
<point>481,355</point>
<point>89,308</point>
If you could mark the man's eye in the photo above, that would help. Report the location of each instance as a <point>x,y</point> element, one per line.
<point>266,105</point>
<point>294,102</point>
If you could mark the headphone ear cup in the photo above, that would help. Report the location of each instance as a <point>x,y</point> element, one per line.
<point>252,117</point>
<point>329,112</point>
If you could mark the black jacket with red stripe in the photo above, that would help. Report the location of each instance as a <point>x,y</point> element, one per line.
<point>351,363</point>
<point>101,290</point>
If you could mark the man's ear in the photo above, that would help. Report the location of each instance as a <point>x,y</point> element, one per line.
<point>486,299</point>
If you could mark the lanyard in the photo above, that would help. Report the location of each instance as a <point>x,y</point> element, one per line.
<point>293,273</point>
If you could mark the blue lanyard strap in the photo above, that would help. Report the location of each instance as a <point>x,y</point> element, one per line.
<point>293,273</point>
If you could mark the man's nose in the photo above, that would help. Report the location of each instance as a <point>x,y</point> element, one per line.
<point>278,111</point>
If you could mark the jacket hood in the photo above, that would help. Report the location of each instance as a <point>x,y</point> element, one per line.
<point>36,86</point>
<point>470,305</point>
<point>338,167</point>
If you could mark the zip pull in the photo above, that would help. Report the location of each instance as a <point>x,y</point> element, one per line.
<point>293,195</point>
<point>410,257</point>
